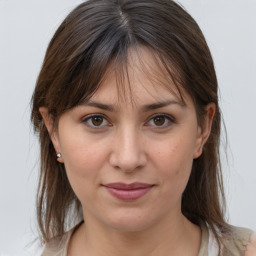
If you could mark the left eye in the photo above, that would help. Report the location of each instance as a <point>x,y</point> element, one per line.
<point>160,121</point>
<point>96,121</point>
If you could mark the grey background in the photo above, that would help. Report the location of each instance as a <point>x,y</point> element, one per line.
<point>25,30</point>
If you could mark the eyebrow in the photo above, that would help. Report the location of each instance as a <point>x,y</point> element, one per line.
<point>144,108</point>
<point>99,105</point>
<point>162,104</point>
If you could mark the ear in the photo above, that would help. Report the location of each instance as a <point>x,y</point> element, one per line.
<point>204,129</point>
<point>48,121</point>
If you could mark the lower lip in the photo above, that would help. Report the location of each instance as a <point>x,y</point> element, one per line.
<point>128,195</point>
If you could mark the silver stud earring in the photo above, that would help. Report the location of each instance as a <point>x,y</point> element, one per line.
<point>58,155</point>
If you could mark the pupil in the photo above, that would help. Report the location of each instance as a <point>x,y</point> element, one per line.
<point>97,120</point>
<point>159,120</point>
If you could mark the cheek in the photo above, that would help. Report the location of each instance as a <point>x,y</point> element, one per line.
<point>80,153</point>
<point>174,161</point>
<point>83,162</point>
<point>174,157</point>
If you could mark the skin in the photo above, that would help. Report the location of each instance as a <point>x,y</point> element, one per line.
<point>128,143</point>
<point>251,248</point>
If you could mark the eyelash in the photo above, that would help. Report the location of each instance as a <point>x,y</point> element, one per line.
<point>168,120</point>
<point>89,118</point>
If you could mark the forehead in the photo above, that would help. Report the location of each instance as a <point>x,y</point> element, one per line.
<point>142,77</point>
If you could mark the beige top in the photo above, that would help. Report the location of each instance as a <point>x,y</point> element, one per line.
<point>243,244</point>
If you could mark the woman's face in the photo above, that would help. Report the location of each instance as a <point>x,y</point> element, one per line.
<point>128,160</point>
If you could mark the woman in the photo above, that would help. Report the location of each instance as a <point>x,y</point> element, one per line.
<point>126,107</point>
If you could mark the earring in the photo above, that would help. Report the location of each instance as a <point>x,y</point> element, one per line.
<point>58,155</point>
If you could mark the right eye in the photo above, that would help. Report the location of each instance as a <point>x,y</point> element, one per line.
<point>96,121</point>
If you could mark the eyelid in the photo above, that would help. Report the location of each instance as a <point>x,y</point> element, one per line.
<point>170,118</point>
<point>86,118</point>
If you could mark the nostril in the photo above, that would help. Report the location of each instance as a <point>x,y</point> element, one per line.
<point>127,163</point>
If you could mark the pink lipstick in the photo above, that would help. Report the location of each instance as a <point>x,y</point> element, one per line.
<point>128,192</point>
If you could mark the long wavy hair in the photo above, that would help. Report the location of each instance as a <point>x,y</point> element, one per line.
<point>100,33</point>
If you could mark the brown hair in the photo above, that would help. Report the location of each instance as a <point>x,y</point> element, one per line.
<point>100,32</point>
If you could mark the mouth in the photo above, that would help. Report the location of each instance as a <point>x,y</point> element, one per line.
<point>128,192</point>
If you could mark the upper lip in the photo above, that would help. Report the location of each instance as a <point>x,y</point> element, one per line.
<point>125,186</point>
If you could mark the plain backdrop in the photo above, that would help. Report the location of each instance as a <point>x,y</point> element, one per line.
<point>25,29</point>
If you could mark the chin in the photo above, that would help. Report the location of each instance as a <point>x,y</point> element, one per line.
<point>130,221</point>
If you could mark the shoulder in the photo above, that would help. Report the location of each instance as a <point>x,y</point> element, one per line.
<point>241,242</point>
<point>58,246</point>
<point>251,248</point>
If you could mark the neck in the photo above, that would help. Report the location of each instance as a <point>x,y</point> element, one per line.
<point>176,235</point>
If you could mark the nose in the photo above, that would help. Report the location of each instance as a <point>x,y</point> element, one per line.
<point>128,150</point>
